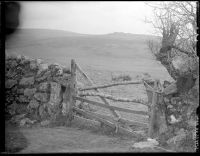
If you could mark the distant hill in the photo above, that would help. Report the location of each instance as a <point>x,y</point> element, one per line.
<point>57,43</point>
<point>115,51</point>
<point>28,36</point>
<point>116,44</point>
<point>130,36</point>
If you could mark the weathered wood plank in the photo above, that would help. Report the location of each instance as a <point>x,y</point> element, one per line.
<point>139,101</point>
<point>95,116</point>
<point>112,107</point>
<point>111,85</point>
<point>153,111</point>
<point>72,92</point>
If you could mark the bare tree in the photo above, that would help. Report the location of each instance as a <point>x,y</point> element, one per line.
<point>176,22</point>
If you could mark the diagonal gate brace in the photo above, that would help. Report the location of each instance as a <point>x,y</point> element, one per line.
<point>116,114</point>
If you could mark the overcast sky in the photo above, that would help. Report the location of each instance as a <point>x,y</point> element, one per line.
<point>87,17</point>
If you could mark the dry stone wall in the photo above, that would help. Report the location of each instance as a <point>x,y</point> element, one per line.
<point>180,110</point>
<point>34,89</point>
<point>175,116</point>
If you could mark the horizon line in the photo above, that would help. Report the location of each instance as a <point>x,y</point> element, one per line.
<point>91,34</point>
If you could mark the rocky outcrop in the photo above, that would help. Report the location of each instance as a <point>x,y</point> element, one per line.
<point>33,88</point>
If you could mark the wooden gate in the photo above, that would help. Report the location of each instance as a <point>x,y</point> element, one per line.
<point>117,122</point>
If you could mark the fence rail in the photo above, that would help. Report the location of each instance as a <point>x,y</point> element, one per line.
<point>139,101</point>
<point>111,85</point>
<point>124,121</point>
<point>111,107</point>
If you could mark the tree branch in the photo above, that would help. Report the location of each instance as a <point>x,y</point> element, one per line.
<point>183,51</point>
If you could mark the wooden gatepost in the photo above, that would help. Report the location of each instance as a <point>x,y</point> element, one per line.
<point>70,92</point>
<point>117,122</point>
<point>157,120</point>
<point>152,120</point>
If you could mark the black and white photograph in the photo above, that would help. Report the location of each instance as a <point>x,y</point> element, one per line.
<point>100,76</point>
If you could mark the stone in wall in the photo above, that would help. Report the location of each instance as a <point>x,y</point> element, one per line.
<point>42,67</point>
<point>43,76</point>
<point>29,73</point>
<point>25,60</point>
<point>29,92</point>
<point>14,89</point>
<point>22,99</point>
<point>21,108</point>
<point>10,83</point>
<point>20,90</point>
<point>11,73</point>
<point>43,112</point>
<point>53,111</point>
<point>33,104</point>
<point>63,80</point>
<point>43,97</point>
<point>33,65</point>
<point>27,81</point>
<point>39,61</point>
<point>44,87</point>
<point>11,63</point>
<point>19,58</point>
<point>194,92</point>
<point>12,108</point>
<point>24,67</point>
<point>171,89</point>
<point>9,99</point>
<point>55,69</point>
<point>55,96</point>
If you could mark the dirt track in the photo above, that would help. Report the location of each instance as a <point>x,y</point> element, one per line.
<point>65,139</point>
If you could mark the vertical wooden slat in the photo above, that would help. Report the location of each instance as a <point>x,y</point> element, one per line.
<point>72,91</point>
<point>149,91</point>
<point>153,111</point>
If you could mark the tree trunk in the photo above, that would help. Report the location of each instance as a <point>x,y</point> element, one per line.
<point>163,56</point>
